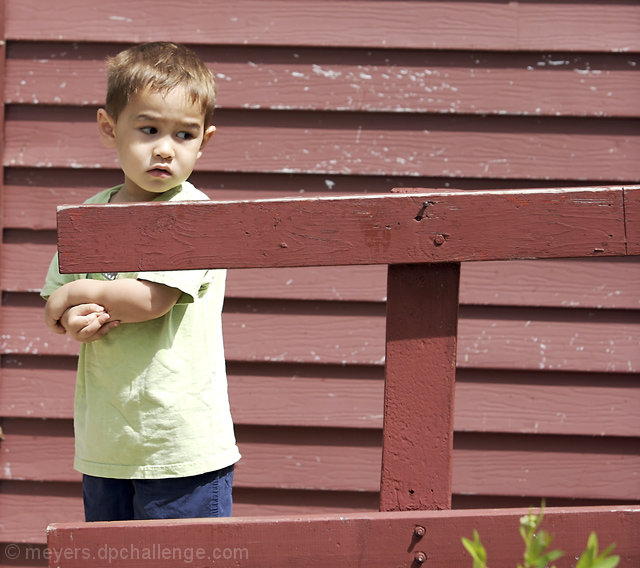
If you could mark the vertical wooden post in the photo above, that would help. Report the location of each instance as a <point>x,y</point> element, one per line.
<point>422,322</point>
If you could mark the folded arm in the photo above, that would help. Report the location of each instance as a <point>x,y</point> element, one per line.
<point>125,300</point>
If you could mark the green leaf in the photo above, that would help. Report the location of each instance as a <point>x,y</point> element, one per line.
<point>591,559</point>
<point>476,550</point>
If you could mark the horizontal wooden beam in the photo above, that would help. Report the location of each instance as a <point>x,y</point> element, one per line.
<point>341,541</point>
<point>371,229</point>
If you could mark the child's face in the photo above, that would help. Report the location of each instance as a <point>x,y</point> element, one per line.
<point>158,139</point>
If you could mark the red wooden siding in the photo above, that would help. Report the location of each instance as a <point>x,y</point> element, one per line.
<point>536,25</point>
<point>337,98</point>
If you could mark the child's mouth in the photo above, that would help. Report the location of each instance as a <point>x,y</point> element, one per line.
<point>159,172</point>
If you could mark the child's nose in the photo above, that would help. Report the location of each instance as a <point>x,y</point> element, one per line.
<point>163,149</point>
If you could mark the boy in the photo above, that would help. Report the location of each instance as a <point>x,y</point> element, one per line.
<point>153,430</point>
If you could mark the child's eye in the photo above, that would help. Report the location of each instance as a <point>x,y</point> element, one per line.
<point>149,130</point>
<point>185,135</point>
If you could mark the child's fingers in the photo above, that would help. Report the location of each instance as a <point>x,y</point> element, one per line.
<point>101,331</point>
<point>93,321</point>
<point>103,317</point>
<point>87,309</point>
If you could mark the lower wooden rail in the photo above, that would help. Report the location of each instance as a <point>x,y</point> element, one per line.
<point>372,540</point>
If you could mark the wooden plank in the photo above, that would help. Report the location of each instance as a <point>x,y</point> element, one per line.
<point>546,466</point>
<point>548,340</point>
<point>340,459</point>
<point>390,229</point>
<point>353,334</point>
<point>367,23</point>
<point>420,353</point>
<point>24,555</point>
<point>546,403</point>
<point>31,195</point>
<point>330,143</point>
<point>364,539</point>
<point>28,507</point>
<point>609,283</point>
<point>559,84</point>
<point>531,402</point>
<point>632,216</point>
<point>500,465</point>
<point>579,283</point>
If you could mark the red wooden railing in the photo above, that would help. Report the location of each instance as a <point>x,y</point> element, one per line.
<point>423,237</point>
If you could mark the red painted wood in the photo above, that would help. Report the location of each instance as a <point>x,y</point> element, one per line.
<point>479,25</point>
<point>421,334</point>
<point>28,507</point>
<point>330,143</point>
<point>24,555</point>
<point>32,194</point>
<point>632,215</point>
<point>280,78</point>
<point>320,333</point>
<point>348,460</point>
<point>365,539</point>
<point>610,282</point>
<point>391,229</point>
<point>538,85</point>
<point>270,394</point>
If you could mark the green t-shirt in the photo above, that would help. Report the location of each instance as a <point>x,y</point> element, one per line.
<point>151,398</point>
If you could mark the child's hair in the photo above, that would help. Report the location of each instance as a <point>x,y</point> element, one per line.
<point>160,66</point>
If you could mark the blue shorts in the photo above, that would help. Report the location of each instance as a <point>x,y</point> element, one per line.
<point>205,495</point>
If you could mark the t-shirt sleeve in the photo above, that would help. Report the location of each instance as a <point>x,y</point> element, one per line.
<point>192,283</point>
<point>54,279</point>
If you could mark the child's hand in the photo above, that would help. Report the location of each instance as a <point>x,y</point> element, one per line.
<point>87,322</point>
<point>56,305</point>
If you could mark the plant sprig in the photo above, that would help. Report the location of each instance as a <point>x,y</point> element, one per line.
<point>536,547</point>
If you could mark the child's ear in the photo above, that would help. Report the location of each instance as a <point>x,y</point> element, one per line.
<point>208,133</point>
<point>106,128</point>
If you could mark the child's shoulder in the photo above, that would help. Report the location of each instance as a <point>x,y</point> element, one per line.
<point>103,196</point>
<point>188,192</point>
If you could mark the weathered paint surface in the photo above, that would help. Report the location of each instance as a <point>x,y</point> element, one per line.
<point>392,229</point>
<point>378,540</point>
<point>451,25</point>
<point>421,335</point>
<point>347,98</point>
<point>377,80</point>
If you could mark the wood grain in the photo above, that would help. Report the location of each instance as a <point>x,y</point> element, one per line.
<point>29,507</point>
<point>526,402</point>
<point>349,98</point>
<point>329,143</point>
<point>312,79</point>
<point>417,437</point>
<point>32,194</point>
<point>456,25</point>
<point>389,229</point>
<point>608,283</point>
<point>326,459</point>
<point>323,333</point>
<point>379,540</point>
